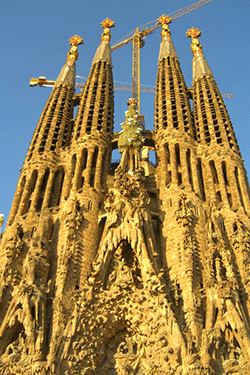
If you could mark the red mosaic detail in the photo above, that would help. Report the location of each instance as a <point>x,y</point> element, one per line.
<point>164,20</point>
<point>108,23</point>
<point>75,40</point>
<point>193,33</point>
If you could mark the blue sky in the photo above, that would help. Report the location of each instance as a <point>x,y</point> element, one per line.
<point>34,42</point>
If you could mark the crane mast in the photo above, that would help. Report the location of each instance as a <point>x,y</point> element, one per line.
<point>137,36</point>
<point>136,69</point>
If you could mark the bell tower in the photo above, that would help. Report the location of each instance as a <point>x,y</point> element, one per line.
<point>225,180</point>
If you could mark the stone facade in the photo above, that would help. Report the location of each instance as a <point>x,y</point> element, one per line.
<point>133,269</point>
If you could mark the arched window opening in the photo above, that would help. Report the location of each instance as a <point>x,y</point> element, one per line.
<point>167,153</point>
<point>201,180</point>
<point>214,172</point>
<point>42,191</point>
<point>93,167</point>
<point>188,155</point>
<point>73,165</point>
<point>218,197</point>
<point>179,179</point>
<point>84,158</point>
<point>104,168</point>
<point>235,227</point>
<point>51,230</point>
<point>57,187</point>
<point>90,205</point>
<point>224,170</point>
<point>177,154</point>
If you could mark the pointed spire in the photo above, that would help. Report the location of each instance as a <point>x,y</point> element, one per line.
<point>212,122</point>
<point>103,52</point>
<point>172,106</point>
<point>200,65</point>
<point>167,47</point>
<point>54,127</point>
<point>67,74</point>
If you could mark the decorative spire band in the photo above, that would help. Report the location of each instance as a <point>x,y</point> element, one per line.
<point>106,25</point>
<point>164,21</point>
<point>196,47</point>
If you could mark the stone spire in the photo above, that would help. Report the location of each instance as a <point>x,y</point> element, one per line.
<point>212,122</point>
<point>91,147</point>
<point>67,74</point>
<point>215,133</point>
<point>166,47</point>
<point>172,106</point>
<point>103,52</point>
<point>51,135</point>
<point>200,65</point>
<point>95,112</point>
<point>54,127</point>
<point>173,115</point>
<point>177,172</point>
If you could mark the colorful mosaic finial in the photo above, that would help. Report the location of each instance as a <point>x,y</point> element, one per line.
<point>106,25</point>
<point>74,42</point>
<point>132,101</point>
<point>196,47</point>
<point>164,21</point>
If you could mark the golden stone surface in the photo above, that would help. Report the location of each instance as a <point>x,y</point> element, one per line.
<point>127,268</point>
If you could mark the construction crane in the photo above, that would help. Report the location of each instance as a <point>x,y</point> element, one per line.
<point>43,82</point>
<point>136,36</point>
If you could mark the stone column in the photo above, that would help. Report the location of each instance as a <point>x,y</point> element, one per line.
<point>17,199</point>
<point>244,189</point>
<point>37,191</point>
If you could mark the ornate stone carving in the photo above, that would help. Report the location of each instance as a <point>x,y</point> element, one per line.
<point>185,214</point>
<point>25,317</point>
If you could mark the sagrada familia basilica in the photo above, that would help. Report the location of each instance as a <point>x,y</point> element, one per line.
<point>129,268</point>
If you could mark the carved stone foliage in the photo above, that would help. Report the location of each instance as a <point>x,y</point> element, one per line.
<point>128,218</point>
<point>13,248</point>
<point>240,240</point>
<point>225,316</point>
<point>123,327</point>
<point>23,331</point>
<point>185,214</point>
<point>123,320</point>
<point>72,219</point>
<point>219,254</point>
